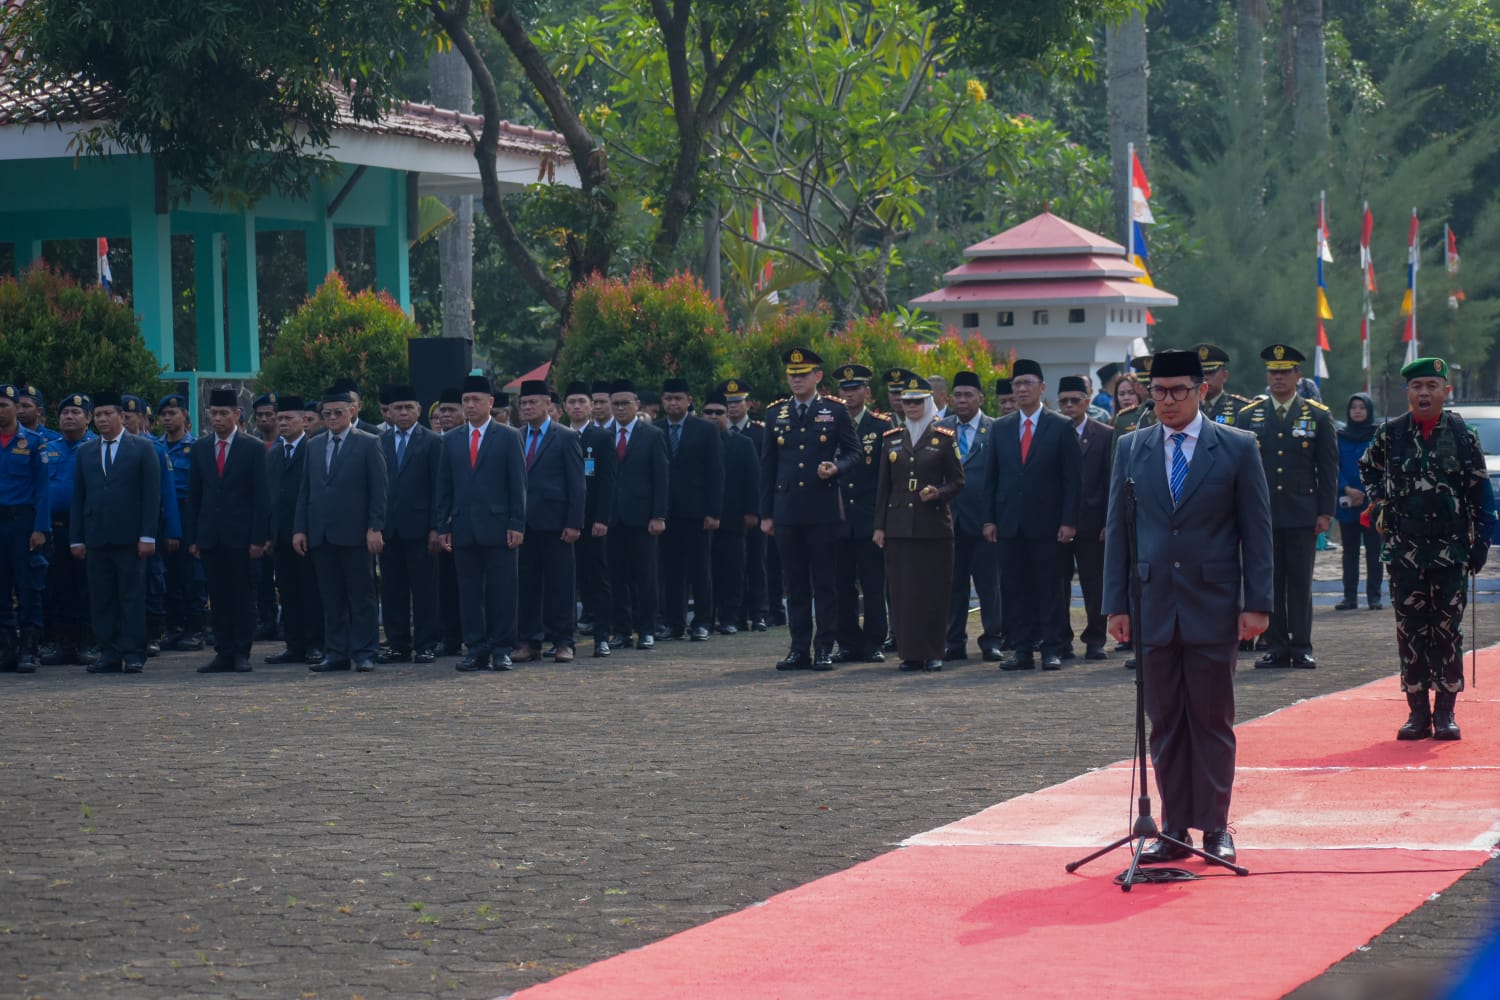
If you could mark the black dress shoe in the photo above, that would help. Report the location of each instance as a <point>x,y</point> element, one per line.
<point>933,666</point>
<point>957,654</point>
<point>1347,604</point>
<point>103,667</point>
<point>729,629</point>
<point>889,645</point>
<point>218,665</point>
<point>390,655</point>
<point>501,662</point>
<point>601,648</point>
<point>700,634</point>
<point>645,642</point>
<point>823,660</point>
<point>842,655</point>
<point>314,655</point>
<point>153,647</point>
<point>992,654</point>
<point>285,656</point>
<point>759,625</point>
<point>450,649</point>
<point>797,659</point>
<point>1019,661</point>
<point>1304,661</point>
<point>1053,662</point>
<point>1273,661</point>
<point>423,656</point>
<point>671,633</point>
<point>1159,851</point>
<point>132,667</point>
<point>910,666</point>
<point>876,657</point>
<point>585,627</point>
<point>1376,605</point>
<point>59,656</point>
<point>1130,664</point>
<point>242,665</point>
<point>1220,844</point>
<point>1122,647</point>
<point>329,666</point>
<point>1095,653</point>
<point>364,666</point>
<point>472,662</point>
<point>619,641</point>
<point>1068,654</point>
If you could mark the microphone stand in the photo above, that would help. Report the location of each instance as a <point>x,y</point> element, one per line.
<point>1145,827</point>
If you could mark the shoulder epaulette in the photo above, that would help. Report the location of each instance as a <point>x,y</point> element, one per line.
<point>893,430</point>
<point>944,430</point>
<point>1314,402</point>
<point>836,399</point>
<point>1253,403</point>
<point>1128,410</point>
<point>1237,396</point>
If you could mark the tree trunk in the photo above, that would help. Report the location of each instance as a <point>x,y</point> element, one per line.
<point>1126,71</point>
<point>1288,50</point>
<point>1250,48</point>
<point>451,85</point>
<point>1310,112</point>
<point>712,272</point>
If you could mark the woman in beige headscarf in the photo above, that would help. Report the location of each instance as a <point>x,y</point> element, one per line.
<point>920,472</point>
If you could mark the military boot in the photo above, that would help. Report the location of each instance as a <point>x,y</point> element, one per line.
<point>1444,727</point>
<point>26,663</point>
<point>154,626</point>
<point>1419,722</point>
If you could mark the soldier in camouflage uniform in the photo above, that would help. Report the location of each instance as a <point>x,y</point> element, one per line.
<point>1425,474</point>
<point>1219,404</point>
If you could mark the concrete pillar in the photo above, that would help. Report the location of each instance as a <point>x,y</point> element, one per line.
<point>320,259</point>
<point>151,279</point>
<point>392,262</point>
<point>243,354</point>
<point>208,279</point>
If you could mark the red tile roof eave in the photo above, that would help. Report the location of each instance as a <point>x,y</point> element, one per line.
<point>1044,234</point>
<point>1042,268</point>
<point>1005,294</point>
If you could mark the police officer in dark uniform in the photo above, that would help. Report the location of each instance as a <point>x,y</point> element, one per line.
<point>1300,453</point>
<point>1219,404</point>
<point>136,414</point>
<point>860,565</point>
<point>25,521</point>
<point>1425,473</point>
<point>762,567</point>
<point>186,591</point>
<point>67,588</point>
<point>810,445</point>
<point>31,412</point>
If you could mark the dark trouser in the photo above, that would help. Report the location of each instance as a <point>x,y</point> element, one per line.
<point>685,563</point>
<point>452,623</point>
<point>17,575</point>
<point>807,564</point>
<point>182,589</point>
<point>755,574</point>
<point>1351,535</point>
<point>1189,694</point>
<point>547,610</point>
<point>1293,550</point>
<point>977,560</point>
<point>592,568</point>
<point>727,554</point>
<point>1430,607</point>
<point>301,600</point>
<point>632,568</point>
<point>230,599</point>
<point>264,571</point>
<point>487,597</point>
<point>408,590</point>
<point>117,600</point>
<point>919,610</point>
<point>346,578</point>
<point>67,596</point>
<point>156,579</point>
<point>776,586</point>
<point>1087,558</point>
<point>859,568</point>
<point>1036,606</point>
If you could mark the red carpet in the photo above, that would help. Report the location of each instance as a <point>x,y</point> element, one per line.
<point>1344,830</point>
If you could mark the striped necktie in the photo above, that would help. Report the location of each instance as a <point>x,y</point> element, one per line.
<point>1179,467</point>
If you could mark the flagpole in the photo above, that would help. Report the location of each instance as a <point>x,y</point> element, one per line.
<point>1367,312</point>
<point>1415,350</point>
<point>1129,240</point>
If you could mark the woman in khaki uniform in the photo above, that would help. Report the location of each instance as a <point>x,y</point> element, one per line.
<point>920,472</point>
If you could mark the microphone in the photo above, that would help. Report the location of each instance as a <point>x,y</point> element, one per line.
<point>1148,406</point>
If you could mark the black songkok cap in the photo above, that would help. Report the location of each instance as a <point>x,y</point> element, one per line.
<point>477,383</point>
<point>602,385</point>
<point>336,395</point>
<point>577,388</point>
<point>534,387</point>
<point>451,396</point>
<point>1002,387</point>
<point>400,394</point>
<point>1026,366</point>
<point>967,378</point>
<point>676,385</point>
<point>111,398</point>
<point>1072,383</point>
<point>1172,363</point>
<point>223,397</point>
<point>289,404</point>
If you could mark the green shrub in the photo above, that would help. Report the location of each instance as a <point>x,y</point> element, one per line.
<point>337,335</point>
<point>65,337</point>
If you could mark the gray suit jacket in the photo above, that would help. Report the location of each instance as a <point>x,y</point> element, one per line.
<point>972,507</point>
<point>1203,561</point>
<point>339,504</point>
<point>123,507</point>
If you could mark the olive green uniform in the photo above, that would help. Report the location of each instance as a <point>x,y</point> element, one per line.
<point>1224,408</point>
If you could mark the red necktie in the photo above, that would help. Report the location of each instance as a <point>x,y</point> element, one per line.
<point>222,446</point>
<point>1025,440</point>
<point>531,449</point>
<point>474,448</point>
<point>620,448</point>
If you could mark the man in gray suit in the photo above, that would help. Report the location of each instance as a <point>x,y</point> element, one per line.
<point>340,519</point>
<point>1203,528</point>
<point>116,504</point>
<point>974,558</point>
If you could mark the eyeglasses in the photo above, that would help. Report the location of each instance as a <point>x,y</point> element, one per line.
<point>715,413</point>
<point>1025,382</point>
<point>1177,392</point>
<point>1071,400</point>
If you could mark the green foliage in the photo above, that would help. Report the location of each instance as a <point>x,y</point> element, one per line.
<point>65,337</point>
<point>643,330</point>
<point>1036,34</point>
<point>207,87</point>
<point>338,335</point>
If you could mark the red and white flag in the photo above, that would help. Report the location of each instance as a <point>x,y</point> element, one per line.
<point>758,228</point>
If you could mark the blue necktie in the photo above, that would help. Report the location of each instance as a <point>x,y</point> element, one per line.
<point>400,450</point>
<point>964,430</point>
<point>676,437</point>
<point>1179,467</point>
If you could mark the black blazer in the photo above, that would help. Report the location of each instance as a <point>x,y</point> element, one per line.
<point>972,507</point>
<point>599,471</point>
<point>641,479</point>
<point>411,494</point>
<point>478,505</point>
<point>554,483</point>
<point>695,482</point>
<point>284,479</point>
<point>339,503</point>
<point>863,481</point>
<point>123,507</point>
<point>1096,457</point>
<point>741,482</point>
<point>1032,500</point>
<point>232,511</point>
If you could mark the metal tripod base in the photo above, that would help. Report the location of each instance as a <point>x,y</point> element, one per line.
<point>1143,830</point>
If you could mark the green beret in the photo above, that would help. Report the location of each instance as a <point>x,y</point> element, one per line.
<point>1425,368</point>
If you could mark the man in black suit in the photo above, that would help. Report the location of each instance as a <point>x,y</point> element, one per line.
<point>350,386</point>
<point>116,506</point>
<point>590,560</point>
<point>1087,555</point>
<point>481,519</point>
<point>762,577</point>
<point>229,517</point>
<point>638,518</point>
<point>408,565</point>
<point>860,562</point>
<point>554,520</point>
<point>450,417</point>
<point>340,520</point>
<point>974,557</point>
<point>736,517</point>
<point>696,495</point>
<point>810,445</point>
<point>1035,478</point>
<point>296,578</point>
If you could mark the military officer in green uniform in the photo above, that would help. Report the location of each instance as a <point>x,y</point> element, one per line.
<point>1134,417</point>
<point>1425,475</point>
<point>1300,454</point>
<point>1219,404</point>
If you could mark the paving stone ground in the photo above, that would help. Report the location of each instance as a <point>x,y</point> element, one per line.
<point>421,833</point>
